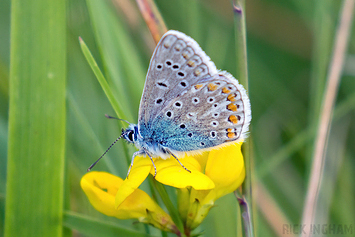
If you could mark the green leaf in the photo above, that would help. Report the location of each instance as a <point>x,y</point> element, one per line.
<point>37,115</point>
<point>100,77</point>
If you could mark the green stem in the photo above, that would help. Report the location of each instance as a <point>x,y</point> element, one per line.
<point>245,199</point>
<point>342,39</point>
<point>153,18</point>
<point>246,217</point>
<point>169,205</point>
<point>100,77</point>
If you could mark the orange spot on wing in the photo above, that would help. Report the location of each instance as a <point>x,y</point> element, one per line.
<point>229,130</point>
<point>185,55</point>
<point>198,86</point>
<point>225,90</point>
<point>232,107</point>
<point>233,119</point>
<point>197,72</point>
<point>230,134</point>
<point>191,63</point>
<point>231,97</point>
<point>212,87</point>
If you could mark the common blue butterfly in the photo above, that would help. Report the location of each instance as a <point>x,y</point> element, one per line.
<point>187,104</point>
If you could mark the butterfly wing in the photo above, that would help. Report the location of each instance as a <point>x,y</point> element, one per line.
<point>187,104</point>
<point>177,62</point>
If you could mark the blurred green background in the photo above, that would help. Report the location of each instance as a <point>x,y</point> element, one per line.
<point>289,49</point>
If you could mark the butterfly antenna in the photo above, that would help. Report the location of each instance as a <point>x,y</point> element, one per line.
<point>91,166</point>
<point>110,117</point>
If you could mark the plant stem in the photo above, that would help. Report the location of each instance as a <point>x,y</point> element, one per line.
<point>153,18</point>
<point>246,217</point>
<point>245,199</point>
<point>334,75</point>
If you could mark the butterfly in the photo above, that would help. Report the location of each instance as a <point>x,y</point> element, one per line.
<point>187,104</point>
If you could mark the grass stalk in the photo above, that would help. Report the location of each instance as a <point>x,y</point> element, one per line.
<point>245,200</point>
<point>101,79</point>
<point>37,119</point>
<point>333,79</point>
<point>153,18</point>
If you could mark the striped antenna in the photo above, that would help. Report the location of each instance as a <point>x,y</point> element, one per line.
<point>91,166</point>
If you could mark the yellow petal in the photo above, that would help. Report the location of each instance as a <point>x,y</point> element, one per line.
<point>138,174</point>
<point>170,172</point>
<point>201,158</point>
<point>225,167</point>
<point>101,188</point>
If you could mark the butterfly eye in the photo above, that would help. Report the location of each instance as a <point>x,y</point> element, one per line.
<point>130,136</point>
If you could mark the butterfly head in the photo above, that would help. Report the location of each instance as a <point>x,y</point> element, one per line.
<point>131,133</point>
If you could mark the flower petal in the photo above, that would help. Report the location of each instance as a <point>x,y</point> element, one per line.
<point>138,174</point>
<point>225,166</point>
<point>170,172</point>
<point>101,188</point>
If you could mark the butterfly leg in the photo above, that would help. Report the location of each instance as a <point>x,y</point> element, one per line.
<point>134,155</point>
<point>155,168</point>
<point>177,160</point>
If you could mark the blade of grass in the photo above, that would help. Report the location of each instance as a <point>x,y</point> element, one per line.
<point>122,65</point>
<point>334,74</point>
<point>153,18</point>
<point>93,227</point>
<point>36,139</point>
<point>245,200</point>
<point>169,205</point>
<point>100,77</point>
<point>324,27</point>
<point>106,88</point>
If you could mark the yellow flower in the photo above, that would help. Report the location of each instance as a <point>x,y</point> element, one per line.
<point>213,175</point>
<point>225,167</point>
<point>169,172</point>
<point>101,189</point>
